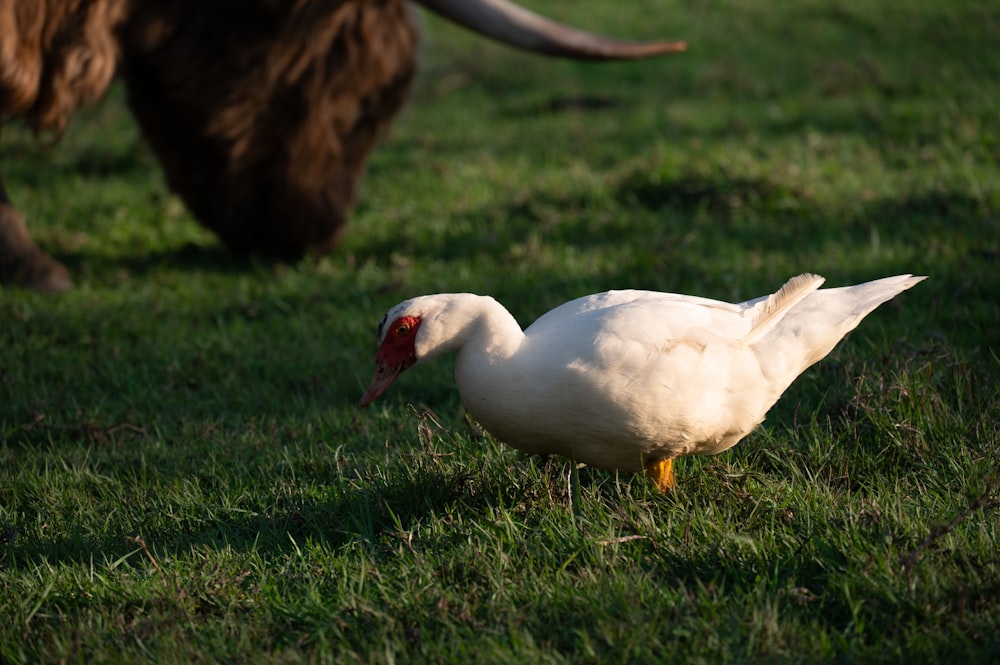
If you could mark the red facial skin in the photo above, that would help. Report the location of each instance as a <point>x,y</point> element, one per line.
<point>395,354</point>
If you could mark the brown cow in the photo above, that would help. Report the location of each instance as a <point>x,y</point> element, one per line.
<point>262,113</point>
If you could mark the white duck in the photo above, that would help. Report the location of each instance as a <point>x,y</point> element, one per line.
<point>626,380</point>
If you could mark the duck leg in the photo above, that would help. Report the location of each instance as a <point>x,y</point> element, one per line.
<point>661,472</point>
<point>573,487</point>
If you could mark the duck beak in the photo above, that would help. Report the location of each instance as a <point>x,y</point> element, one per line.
<point>384,375</point>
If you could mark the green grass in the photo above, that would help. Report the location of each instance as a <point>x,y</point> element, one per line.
<point>185,475</point>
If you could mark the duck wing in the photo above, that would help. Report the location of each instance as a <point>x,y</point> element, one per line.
<point>660,315</point>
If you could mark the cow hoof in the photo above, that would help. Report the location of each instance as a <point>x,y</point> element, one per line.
<point>22,263</point>
<point>38,272</point>
<point>47,275</point>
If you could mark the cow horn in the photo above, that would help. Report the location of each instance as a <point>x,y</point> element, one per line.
<point>518,27</point>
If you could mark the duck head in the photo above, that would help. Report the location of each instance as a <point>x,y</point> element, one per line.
<point>396,352</point>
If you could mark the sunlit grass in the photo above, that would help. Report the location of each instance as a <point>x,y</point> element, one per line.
<point>186,476</point>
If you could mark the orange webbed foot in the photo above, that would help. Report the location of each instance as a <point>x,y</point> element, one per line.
<point>661,472</point>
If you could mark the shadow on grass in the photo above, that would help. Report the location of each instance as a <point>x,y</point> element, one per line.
<point>760,213</point>
<point>375,509</point>
<point>34,171</point>
<point>31,163</point>
<point>381,520</point>
<point>562,104</point>
<point>739,211</point>
<point>187,258</point>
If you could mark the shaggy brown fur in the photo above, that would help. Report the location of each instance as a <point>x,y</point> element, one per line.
<point>54,56</point>
<point>267,143</point>
<point>261,112</point>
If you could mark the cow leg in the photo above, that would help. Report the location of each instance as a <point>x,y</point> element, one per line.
<point>22,263</point>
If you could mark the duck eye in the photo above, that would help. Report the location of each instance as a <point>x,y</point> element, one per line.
<point>402,329</point>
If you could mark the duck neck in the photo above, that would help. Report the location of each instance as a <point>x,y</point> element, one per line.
<point>468,323</point>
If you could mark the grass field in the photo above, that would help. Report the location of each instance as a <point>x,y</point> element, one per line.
<point>185,475</point>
